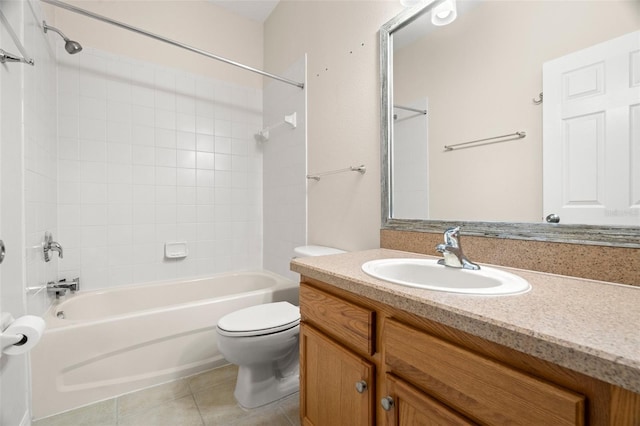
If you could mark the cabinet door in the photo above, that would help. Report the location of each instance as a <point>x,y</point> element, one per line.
<point>407,406</point>
<point>336,386</point>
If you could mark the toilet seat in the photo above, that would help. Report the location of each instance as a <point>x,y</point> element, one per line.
<point>260,320</point>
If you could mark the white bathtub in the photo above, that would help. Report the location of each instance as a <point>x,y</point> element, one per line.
<point>105,343</point>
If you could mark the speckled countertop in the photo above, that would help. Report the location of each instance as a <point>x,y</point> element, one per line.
<point>592,327</point>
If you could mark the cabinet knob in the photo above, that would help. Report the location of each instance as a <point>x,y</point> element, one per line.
<point>387,403</point>
<point>361,386</point>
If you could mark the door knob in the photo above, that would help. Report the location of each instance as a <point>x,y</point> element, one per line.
<point>387,403</point>
<point>361,386</point>
<point>553,218</point>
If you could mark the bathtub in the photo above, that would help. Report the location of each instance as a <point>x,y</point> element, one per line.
<point>101,344</point>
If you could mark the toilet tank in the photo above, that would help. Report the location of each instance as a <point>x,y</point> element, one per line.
<point>309,251</point>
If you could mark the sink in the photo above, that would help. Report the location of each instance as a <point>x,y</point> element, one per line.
<point>428,274</point>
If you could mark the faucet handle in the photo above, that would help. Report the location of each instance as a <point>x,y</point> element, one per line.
<point>452,237</point>
<point>452,251</point>
<point>48,245</point>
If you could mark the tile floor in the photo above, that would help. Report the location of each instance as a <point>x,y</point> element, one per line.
<point>205,399</point>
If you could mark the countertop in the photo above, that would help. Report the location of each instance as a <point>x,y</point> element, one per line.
<point>592,327</point>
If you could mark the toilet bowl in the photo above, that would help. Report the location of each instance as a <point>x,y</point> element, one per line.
<point>262,341</point>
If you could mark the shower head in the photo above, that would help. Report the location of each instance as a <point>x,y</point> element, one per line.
<point>70,46</point>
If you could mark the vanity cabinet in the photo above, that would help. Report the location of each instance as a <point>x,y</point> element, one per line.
<point>363,362</point>
<point>336,372</point>
<point>475,386</point>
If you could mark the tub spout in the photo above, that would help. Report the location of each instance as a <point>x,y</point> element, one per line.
<point>61,287</point>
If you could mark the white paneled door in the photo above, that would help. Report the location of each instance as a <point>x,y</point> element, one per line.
<point>591,134</point>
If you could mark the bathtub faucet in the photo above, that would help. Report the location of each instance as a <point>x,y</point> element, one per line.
<point>61,287</point>
<point>50,245</point>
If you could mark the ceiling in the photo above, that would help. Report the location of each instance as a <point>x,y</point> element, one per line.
<point>257,10</point>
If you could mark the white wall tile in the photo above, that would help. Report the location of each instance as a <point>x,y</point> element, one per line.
<point>119,153</point>
<point>186,177</point>
<point>186,159</point>
<point>223,145</point>
<point>205,160</point>
<point>185,122</point>
<point>204,143</point>
<point>119,132</point>
<point>93,150</point>
<point>165,157</point>
<point>140,164</point>
<point>186,140</point>
<point>119,111</point>
<point>92,129</point>
<point>204,124</point>
<point>145,155</point>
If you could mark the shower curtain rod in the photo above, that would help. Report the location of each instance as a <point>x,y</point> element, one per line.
<point>169,41</point>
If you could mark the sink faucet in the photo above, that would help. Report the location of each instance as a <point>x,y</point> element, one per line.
<point>61,287</point>
<point>452,251</point>
<point>50,245</point>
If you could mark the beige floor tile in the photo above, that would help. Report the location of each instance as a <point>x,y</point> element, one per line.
<point>183,412</point>
<point>290,407</point>
<point>151,397</point>
<point>98,414</point>
<point>218,406</point>
<point>172,404</point>
<point>213,377</point>
<point>262,417</point>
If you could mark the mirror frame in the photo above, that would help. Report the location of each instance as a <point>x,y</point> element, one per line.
<point>616,236</point>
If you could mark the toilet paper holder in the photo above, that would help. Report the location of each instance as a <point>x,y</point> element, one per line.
<point>7,340</point>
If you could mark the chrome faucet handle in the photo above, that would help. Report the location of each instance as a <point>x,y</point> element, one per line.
<point>49,245</point>
<point>452,237</point>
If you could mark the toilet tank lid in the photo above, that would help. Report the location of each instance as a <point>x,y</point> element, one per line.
<point>260,319</point>
<point>308,251</point>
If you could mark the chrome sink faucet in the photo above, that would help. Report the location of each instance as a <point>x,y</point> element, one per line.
<point>452,251</point>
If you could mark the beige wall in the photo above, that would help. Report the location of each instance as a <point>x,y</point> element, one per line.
<point>197,23</point>
<point>480,75</point>
<point>341,40</point>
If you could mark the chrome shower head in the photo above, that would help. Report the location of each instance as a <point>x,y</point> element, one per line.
<point>70,46</point>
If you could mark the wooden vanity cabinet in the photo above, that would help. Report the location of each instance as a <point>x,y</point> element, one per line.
<point>420,372</point>
<point>337,374</point>
<point>476,386</point>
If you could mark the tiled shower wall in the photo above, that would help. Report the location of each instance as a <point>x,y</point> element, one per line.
<point>40,157</point>
<point>149,155</point>
<point>285,169</point>
<point>28,184</point>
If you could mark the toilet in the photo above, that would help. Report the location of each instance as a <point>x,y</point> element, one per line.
<point>262,341</point>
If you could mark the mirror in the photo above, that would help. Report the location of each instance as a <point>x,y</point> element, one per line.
<point>477,78</point>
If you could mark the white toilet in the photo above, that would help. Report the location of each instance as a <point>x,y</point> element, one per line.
<point>262,341</point>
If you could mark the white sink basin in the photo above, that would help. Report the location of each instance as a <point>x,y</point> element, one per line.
<point>428,274</point>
